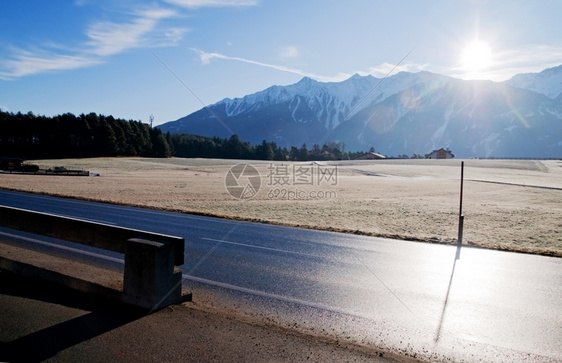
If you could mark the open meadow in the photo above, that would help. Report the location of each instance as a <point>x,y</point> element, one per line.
<point>508,204</point>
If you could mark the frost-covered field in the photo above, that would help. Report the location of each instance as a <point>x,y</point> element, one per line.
<point>508,204</point>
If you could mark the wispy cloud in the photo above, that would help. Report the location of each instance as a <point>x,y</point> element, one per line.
<point>111,38</point>
<point>107,38</point>
<point>510,62</point>
<point>192,4</point>
<point>104,39</point>
<point>206,58</point>
<point>25,63</point>
<point>377,71</point>
<point>383,69</point>
<point>289,52</point>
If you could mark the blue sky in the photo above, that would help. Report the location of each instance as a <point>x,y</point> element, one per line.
<point>131,59</point>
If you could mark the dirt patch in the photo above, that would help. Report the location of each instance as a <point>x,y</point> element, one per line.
<point>508,204</point>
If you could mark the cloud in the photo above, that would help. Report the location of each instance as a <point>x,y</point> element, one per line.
<point>379,71</point>
<point>174,35</point>
<point>107,38</point>
<point>25,63</point>
<point>533,59</point>
<point>192,4</point>
<point>111,38</point>
<point>385,68</point>
<point>508,63</point>
<point>290,52</point>
<point>206,58</point>
<point>104,39</point>
<point>157,13</point>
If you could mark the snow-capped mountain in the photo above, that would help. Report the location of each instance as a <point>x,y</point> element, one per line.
<point>330,102</point>
<point>547,82</point>
<point>408,113</point>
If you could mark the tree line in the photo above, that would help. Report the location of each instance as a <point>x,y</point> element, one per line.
<point>191,146</point>
<point>92,135</point>
<point>67,135</point>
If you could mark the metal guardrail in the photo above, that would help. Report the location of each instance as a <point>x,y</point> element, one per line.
<point>105,236</point>
<point>150,279</point>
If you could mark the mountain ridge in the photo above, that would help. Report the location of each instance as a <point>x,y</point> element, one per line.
<point>407,113</point>
<point>547,82</point>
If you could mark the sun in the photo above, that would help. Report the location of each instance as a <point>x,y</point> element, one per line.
<point>476,56</point>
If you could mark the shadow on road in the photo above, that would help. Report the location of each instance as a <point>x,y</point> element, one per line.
<point>457,257</point>
<point>28,305</point>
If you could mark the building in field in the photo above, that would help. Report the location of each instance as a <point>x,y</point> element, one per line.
<point>440,154</point>
<point>11,163</point>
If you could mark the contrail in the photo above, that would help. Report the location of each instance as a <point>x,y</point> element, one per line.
<point>207,57</point>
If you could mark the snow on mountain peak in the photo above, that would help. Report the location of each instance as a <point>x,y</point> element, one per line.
<point>331,103</point>
<point>348,97</point>
<point>402,113</point>
<point>548,82</point>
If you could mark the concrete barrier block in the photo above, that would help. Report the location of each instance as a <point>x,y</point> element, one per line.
<point>150,280</point>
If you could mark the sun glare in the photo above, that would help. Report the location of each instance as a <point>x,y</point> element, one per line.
<point>476,56</point>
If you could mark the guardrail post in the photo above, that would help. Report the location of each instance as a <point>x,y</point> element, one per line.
<point>150,280</point>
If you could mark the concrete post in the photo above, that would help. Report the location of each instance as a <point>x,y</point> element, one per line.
<point>150,280</point>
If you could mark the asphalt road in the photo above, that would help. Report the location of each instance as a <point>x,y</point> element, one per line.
<point>405,297</point>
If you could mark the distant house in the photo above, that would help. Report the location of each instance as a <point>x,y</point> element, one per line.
<point>440,154</point>
<point>17,165</point>
<point>370,156</point>
<point>11,163</point>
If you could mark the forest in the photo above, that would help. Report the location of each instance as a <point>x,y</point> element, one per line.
<point>63,136</point>
<point>28,136</point>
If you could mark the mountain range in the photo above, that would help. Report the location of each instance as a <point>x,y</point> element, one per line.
<point>407,113</point>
